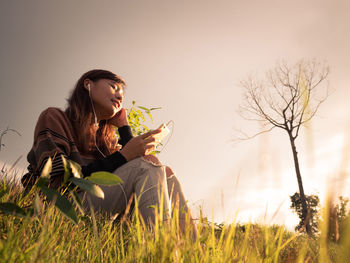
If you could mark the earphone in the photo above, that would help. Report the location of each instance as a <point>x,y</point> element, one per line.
<point>96,124</point>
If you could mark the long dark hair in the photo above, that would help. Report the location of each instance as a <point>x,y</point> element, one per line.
<point>79,111</point>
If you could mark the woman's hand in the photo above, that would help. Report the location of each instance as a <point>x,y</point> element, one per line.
<point>140,145</point>
<point>120,119</point>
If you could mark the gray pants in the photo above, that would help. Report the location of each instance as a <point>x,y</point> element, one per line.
<point>149,182</point>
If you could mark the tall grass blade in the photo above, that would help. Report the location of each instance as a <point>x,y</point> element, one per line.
<point>323,253</point>
<point>77,201</point>
<point>14,164</point>
<point>37,204</point>
<point>344,254</point>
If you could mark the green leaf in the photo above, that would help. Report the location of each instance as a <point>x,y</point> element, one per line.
<point>61,203</point>
<point>150,116</point>
<point>42,182</point>
<point>76,169</point>
<point>156,108</point>
<point>47,169</point>
<point>142,116</point>
<point>144,108</point>
<point>12,209</point>
<point>67,173</point>
<point>88,186</point>
<point>104,178</point>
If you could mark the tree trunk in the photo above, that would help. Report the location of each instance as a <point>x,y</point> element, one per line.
<point>305,209</point>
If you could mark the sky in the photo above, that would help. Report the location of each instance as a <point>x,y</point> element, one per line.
<point>188,57</point>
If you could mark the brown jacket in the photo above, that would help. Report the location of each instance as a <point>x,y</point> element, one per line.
<point>54,136</point>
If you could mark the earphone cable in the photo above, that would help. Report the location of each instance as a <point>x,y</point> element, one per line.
<point>171,134</point>
<point>96,125</point>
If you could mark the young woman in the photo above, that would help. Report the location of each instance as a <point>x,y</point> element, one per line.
<point>85,133</point>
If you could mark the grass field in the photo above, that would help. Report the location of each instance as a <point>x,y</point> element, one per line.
<point>49,236</point>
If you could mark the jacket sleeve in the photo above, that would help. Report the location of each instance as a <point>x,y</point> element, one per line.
<point>52,138</point>
<point>113,161</point>
<point>125,135</point>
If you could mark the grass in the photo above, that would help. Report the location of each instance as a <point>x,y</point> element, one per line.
<point>49,236</point>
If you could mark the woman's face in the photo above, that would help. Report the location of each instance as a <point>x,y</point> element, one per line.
<point>107,96</point>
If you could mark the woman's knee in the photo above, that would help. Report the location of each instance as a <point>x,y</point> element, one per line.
<point>151,159</point>
<point>153,173</point>
<point>169,172</point>
<point>172,180</point>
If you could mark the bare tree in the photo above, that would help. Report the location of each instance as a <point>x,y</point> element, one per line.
<point>289,97</point>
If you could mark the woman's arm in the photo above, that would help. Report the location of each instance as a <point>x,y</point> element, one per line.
<point>52,138</point>
<point>135,147</point>
<point>120,120</point>
<point>125,135</point>
<point>108,164</point>
<point>113,161</point>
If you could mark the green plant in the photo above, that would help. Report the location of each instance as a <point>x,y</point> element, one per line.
<point>137,118</point>
<point>65,196</point>
<point>313,206</point>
